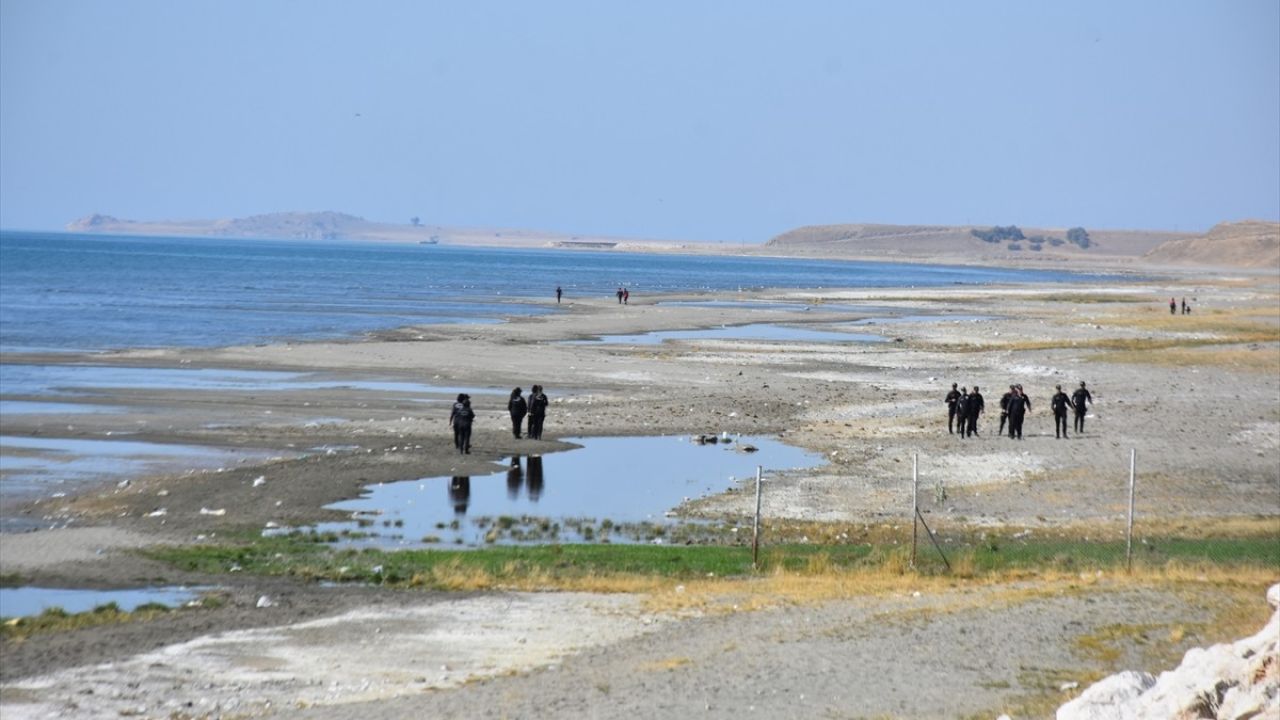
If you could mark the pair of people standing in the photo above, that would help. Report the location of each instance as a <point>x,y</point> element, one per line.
<point>535,408</point>
<point>624,296</point>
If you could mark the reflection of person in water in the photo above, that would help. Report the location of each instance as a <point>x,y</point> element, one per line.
<point>515,478</point>
<point>533,468</point>
<point>460,493</point>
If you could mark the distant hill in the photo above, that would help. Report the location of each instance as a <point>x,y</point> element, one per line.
<point>962,242</point>
<point>328,225</point>
<point>1251,244</point>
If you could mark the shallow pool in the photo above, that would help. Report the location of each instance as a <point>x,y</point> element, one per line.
<point>755,331</point>
<point>26,601</point>
<point>618,489</point>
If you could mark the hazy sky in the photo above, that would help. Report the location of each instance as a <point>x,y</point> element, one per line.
<point>695,120</point>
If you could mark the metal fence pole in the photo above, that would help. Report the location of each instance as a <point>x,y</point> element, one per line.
<point>1128,533</point>
<point>915,504</point>
<point>755,530</point>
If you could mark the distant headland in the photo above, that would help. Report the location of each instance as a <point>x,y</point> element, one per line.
<point>1246,244</point>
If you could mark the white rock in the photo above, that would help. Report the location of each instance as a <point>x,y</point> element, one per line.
<point>218,512</point>
<point>265,602</point>
<point>158,513</point>
<point>260,481</point>
<point>1109,698</point>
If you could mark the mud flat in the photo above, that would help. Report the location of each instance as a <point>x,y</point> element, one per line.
<point>1195,396</point>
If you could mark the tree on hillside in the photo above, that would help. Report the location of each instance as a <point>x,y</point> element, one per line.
<point>999,234</point>
<point>1079,236</point>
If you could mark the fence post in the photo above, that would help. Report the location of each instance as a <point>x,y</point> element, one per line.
<point>915,504</point>
<point>1128,533</point>
<point>755,530</point>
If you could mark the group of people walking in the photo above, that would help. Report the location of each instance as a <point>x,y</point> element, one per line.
<point>964,407</point>
<point>534,408</point>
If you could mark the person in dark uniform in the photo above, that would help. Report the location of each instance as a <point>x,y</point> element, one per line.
<point>1079,399</point>
<point>1059,404</point>
<point>537,412</point>
<point>976,405</point>
<point>457,409</point>
<point>1004,408</point>
<point>1184,306</point>
<point>460,420</point>
<point>951,399</point>
<point>1019,404</point>
<point>619,293</point>
<point>559,292</point>
<point>1173,306</point>
<point>518,409</point>
<point>962,410</point>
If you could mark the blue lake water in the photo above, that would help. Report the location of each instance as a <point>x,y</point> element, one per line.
<point>63,292</point>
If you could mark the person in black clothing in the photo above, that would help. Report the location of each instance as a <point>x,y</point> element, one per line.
<point>460,420</point>
<point>619,295</point>
<point>518,409</point>
<point>1019,404</point>
<point>537,412</point>
<point>1004,408</point>
<point>976,405</point>
<point>1059,404</point>
<point>559,292</point>
<point>962,410</point>
<point>1079,398</point>
<point>950,400</point>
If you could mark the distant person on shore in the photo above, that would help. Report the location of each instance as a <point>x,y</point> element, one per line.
<point>1004,408</point>
<point>1019,404</point>
<point>619,294</point>
<point>460,420</point>
<point>1059,404</point>
<point>626,296</point>
<point>1185,310</point>
<point>537,412</point>
<point>559,292</point>
<point>962,410</point>
<point>977,404</point>
<point>950,400</point>
<point>1173,306</point>
<point>1078,401</point>
<point>518,409</point>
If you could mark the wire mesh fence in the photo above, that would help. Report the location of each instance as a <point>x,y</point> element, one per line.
<point>1063,520</point>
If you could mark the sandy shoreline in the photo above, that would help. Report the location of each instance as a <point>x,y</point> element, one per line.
<point>1203,417</point>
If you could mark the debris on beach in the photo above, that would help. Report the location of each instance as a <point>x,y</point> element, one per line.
<point>160,512</point>
<point>265,602</point>
<point>218,512</point>
<point>260,481</point>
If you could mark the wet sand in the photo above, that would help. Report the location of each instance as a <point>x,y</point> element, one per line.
<point>1204,420</point>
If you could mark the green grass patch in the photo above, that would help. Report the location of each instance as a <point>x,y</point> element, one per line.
<point>562,565</point>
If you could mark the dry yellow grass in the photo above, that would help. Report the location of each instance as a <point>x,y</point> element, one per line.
<point>1263,359</point>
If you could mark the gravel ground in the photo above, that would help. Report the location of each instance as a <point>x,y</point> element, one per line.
<point>1207,434</point>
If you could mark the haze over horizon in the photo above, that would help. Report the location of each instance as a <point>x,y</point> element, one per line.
<point>702,121</point>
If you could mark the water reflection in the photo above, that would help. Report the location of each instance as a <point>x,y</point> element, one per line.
<point>594,491</point>
<point>459,493</point>
<point>535,477</point>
